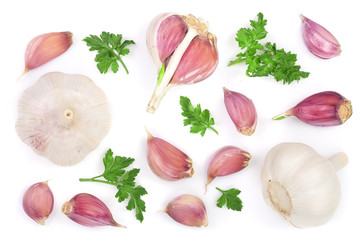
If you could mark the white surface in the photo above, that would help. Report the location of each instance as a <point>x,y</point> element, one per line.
<point>129,95</point>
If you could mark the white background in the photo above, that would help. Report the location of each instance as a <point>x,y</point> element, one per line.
<point>128,95</point>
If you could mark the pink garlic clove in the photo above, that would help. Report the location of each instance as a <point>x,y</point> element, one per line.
<point>38,202</point>
<point>46,47</point>
<point>167,161</point>
<point>188,210</point>
<point>183,51</point>
<point>319,40</point>
<point>241,111</point>
<point>322,109</point>
<point>89,211</point>
<point>227,160</point>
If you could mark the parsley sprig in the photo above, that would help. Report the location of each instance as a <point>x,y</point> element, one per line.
<point>200,120</point>
<point>265,60</point>
<point>230,198</point>
<point>110,49</point>
<point>115,174</point>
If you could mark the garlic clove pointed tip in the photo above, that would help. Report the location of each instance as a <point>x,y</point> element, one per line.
<point>302,17</point>
<point>26,70</point>
<point>149,134</point>
<point>225,90</point>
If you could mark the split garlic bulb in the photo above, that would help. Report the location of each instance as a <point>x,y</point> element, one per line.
<point>301,185</point>
<point>63,117</point>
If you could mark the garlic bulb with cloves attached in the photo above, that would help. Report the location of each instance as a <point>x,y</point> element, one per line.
<point>301,185</point>
<point>183,51</point>
<point>63,117</point>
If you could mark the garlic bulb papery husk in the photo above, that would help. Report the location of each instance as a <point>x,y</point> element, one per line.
<point>187,209</point>
<point>301,185</point>
<point>323,109</point>
<point>38,202</point>
<point>63,117</point>
<point>167,161</point>
<point>183,51</point>
<point>319,40</point>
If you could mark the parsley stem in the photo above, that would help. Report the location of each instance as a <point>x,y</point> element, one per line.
<point>96,180</point>
<point>123,64</point>
<point>213,129</point>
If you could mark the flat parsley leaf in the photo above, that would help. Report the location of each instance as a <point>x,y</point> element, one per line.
<point>200,120</point>
<point>115,174</point>
<point>230,198</point>
<point>265,60</point>
<point>110,49</point>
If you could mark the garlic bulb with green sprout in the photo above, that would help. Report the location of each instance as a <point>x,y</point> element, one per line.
<point>183,51</point>
<point>63,117</point>
<point>301,185</point>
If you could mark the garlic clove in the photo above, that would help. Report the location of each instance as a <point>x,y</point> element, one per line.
<point>167,161</point>
<point>319,40</point>
<point>301,185</point>
<point>188,210</point>
<point>241,111</point>
<point>38,202</point>
<point>322,109</point>
<point>89,211</point>
<point>227,160</point>
<point>183,51</point>
<point>46,47</point>
<point>63,117</point>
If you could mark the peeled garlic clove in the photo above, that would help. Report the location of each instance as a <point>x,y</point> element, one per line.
<point>301,185</point>
<point>321,109</point>
<point>89,211</point>
<point>46,47</point>
<point>167,161</point>
<point>227,160</point>
<point>183,51</point>
<point>188,210</point>
<point>38,202</point>
<point>318,40</point>
<point>241,111</point>
<point>63,117</point>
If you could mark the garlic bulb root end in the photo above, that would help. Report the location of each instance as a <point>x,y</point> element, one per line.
<point>280,198</point>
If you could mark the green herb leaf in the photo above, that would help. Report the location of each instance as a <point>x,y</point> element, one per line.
<point>230,198</point>
<point>110,49</point>
<point>265,60</point>
<point>115,174</point>
<point>199,120</point>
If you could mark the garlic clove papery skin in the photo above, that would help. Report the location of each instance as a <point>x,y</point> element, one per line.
<point>225,161</point>
<point>89,211</point>
<point>241,111</point>
<point>323,109</point>
<point>63,117</point>
<point>166,161</point>
<point>46,47</point>
<point>183,51</point>
<point>38,202</point>
<point>319,40</point>
<point>187,209</point>
<point>301,185</point>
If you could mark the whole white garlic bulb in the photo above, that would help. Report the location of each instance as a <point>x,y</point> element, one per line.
<point>301,185</point>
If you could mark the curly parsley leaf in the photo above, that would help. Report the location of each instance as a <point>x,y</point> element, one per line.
<point>265,60</point>
<point>230,198</point>
<point>115,174</point>
<point>110,49</point>
<point>199,120</point>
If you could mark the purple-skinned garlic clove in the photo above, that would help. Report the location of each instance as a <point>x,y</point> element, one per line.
<point>183,51</point>
<point>167,161</point>
<point>38,202</point>
<point>319,40</point>
<point>322,109</point>
<point>187,209</point>
<point>89,211</point>
<point>46,47</point>
<point>227,160</point>
<point>241,111</point>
